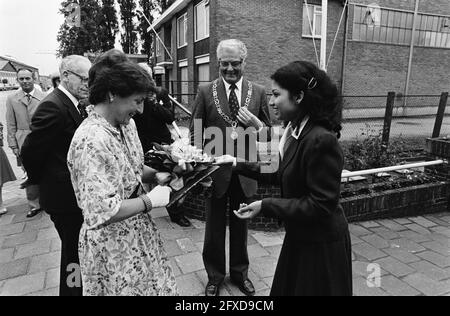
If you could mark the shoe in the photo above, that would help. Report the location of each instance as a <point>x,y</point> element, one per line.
<point>3,211</point>
<point>24,184</point>
<point>212,289</point>
<point>183,222</point>
<point>245,287</point>
<point>33,212</point>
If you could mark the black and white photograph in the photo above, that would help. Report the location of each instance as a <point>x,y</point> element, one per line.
<point>242,150</point>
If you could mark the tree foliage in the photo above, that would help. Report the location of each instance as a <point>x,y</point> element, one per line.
<point>129,35</point>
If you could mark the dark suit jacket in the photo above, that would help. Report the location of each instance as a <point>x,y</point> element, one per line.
<point>152,123</point>
<point>310,180</point>
<point>205,110</point>
<point>45,151</point>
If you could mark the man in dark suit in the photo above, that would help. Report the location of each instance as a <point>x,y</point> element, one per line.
<point>44,155</point>
<point>152,128</point>
<point>230,114</point>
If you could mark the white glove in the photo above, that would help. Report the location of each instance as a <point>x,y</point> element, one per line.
<point>226,160</point>
<point>160,196</point>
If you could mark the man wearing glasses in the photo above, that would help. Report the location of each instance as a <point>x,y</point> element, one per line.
<point>238,108</point>
<point>44,155</point>
<point>20,108</point>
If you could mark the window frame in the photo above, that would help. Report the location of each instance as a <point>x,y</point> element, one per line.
<point>316,13</point>
<point>205,4</point>
<point>184,18</point>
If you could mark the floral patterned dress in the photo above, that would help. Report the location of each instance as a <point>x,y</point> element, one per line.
<point>124,258</point>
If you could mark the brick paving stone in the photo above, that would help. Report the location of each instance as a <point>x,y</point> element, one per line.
<point>445,218</point>
<point>45,262</point>
<point>441,230</point>
<point>176,270</point>
<point>268,281</point>
<point>396,287</point>
<point>55,245</point>
<point>267,240</point>
<point>163,223</point>
<point>52,278</point>
<point>199,246</point>
<point>44,222</point>
<point>370,224</point>
<point>355,240</point>
<point>402,255</point>
<point>6,219</point>
<point>47,233</point>
<point>376,241</point>
<point>426,285</point>
<point>395,267</point>
<point>385,233</point>
<point>19,239</point>
<point>33,249</point>
<point>198,224</point>
<point>442,239</point>
<point>186,245</point>
<point>402,221</point>
<point>435,258</point>
<point>196,235</point>
<point>48,292</point>
<point>392,225</point>
<point>430,270</point>
<point>423,222</point>
<point>172,248</point>
<point>24,285</point>
<point>263,293</point>
<point>22,218</point>
<point>368,252</point>
<point>436,220</point>
<point>12,229</point>
<point>190,262</point>
<point>250,240</point>
<point>263,267</point>
<point>189,285</point>
<point>274,251</point>
<point>418,229</point>
<point>203,277</point>
<point>256,251</point>
<point>14,269</point>
<point>437,247</point>
<point>414,236</point>
<point>407,245</point>
<point>171,234</point>
<point>360,288</point>
<point>6,255</point>
<point>358,230</point>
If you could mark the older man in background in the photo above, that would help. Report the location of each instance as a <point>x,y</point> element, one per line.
<point>44,156</point>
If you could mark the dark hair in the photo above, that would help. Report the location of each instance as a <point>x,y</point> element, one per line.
<point>122,79</point>
<point>25,69</point>
<point>322,101</point>
<point>108,59</point>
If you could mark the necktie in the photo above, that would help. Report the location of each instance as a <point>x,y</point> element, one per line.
<point>233,102</point>
<point>28,98</point>
<point>82,110</point>
<point>286,140</point>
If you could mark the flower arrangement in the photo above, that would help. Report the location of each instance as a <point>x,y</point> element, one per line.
<point>185,164</point>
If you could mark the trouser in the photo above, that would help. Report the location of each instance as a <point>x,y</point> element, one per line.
<point>32,192</point>
<point>68,227</point>
<point>214,246</point>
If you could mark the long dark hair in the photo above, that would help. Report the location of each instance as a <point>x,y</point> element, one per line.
<point>322,101</point>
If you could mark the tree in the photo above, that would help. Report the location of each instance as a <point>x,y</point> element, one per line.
<point>147,8</point>
<point>165,4</point>
<point>129,35</point>
<point>108,25</point>
<point>83,38</point>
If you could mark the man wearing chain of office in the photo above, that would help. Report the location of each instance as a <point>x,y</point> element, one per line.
<point>230,115</point>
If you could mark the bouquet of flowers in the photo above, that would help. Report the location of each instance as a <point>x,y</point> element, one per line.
<point>185,163</point>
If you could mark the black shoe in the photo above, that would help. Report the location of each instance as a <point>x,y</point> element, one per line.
<point>212,289</point>
<point>245,287</point>
<point>33,212</point>
<point>183,222</point>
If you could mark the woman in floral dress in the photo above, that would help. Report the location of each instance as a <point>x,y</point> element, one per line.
<point>120,248</point>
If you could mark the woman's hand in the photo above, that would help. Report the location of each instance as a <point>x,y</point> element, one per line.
<point>249,211</point>
<point>159,196</point>
<point>225,160</point>
<point>248,119</point>
<point>163,178</point>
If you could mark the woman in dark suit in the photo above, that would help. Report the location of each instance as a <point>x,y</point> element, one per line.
<point>316,254</point>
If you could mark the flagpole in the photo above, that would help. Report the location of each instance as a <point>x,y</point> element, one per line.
<point>323,42</point>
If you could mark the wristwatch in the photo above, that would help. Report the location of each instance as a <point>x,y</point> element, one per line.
<point>147,203</point>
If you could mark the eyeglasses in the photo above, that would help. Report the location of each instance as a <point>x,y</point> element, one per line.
<point>233,64</point>
<point>82,78</point>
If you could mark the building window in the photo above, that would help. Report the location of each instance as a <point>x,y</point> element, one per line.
<point>159,48</point>
<point>182,30</point>
<point>312,21</point>
<point>184,81</point>
<point>202,20</point>
<point>202,70</point>
<point>390,26</point>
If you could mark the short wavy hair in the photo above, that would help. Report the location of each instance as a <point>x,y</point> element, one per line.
<point>122,79</point>
<point>322,101</point>
<point>233,43</point>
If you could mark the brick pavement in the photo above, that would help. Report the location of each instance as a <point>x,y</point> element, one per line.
<point>413,254</point>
